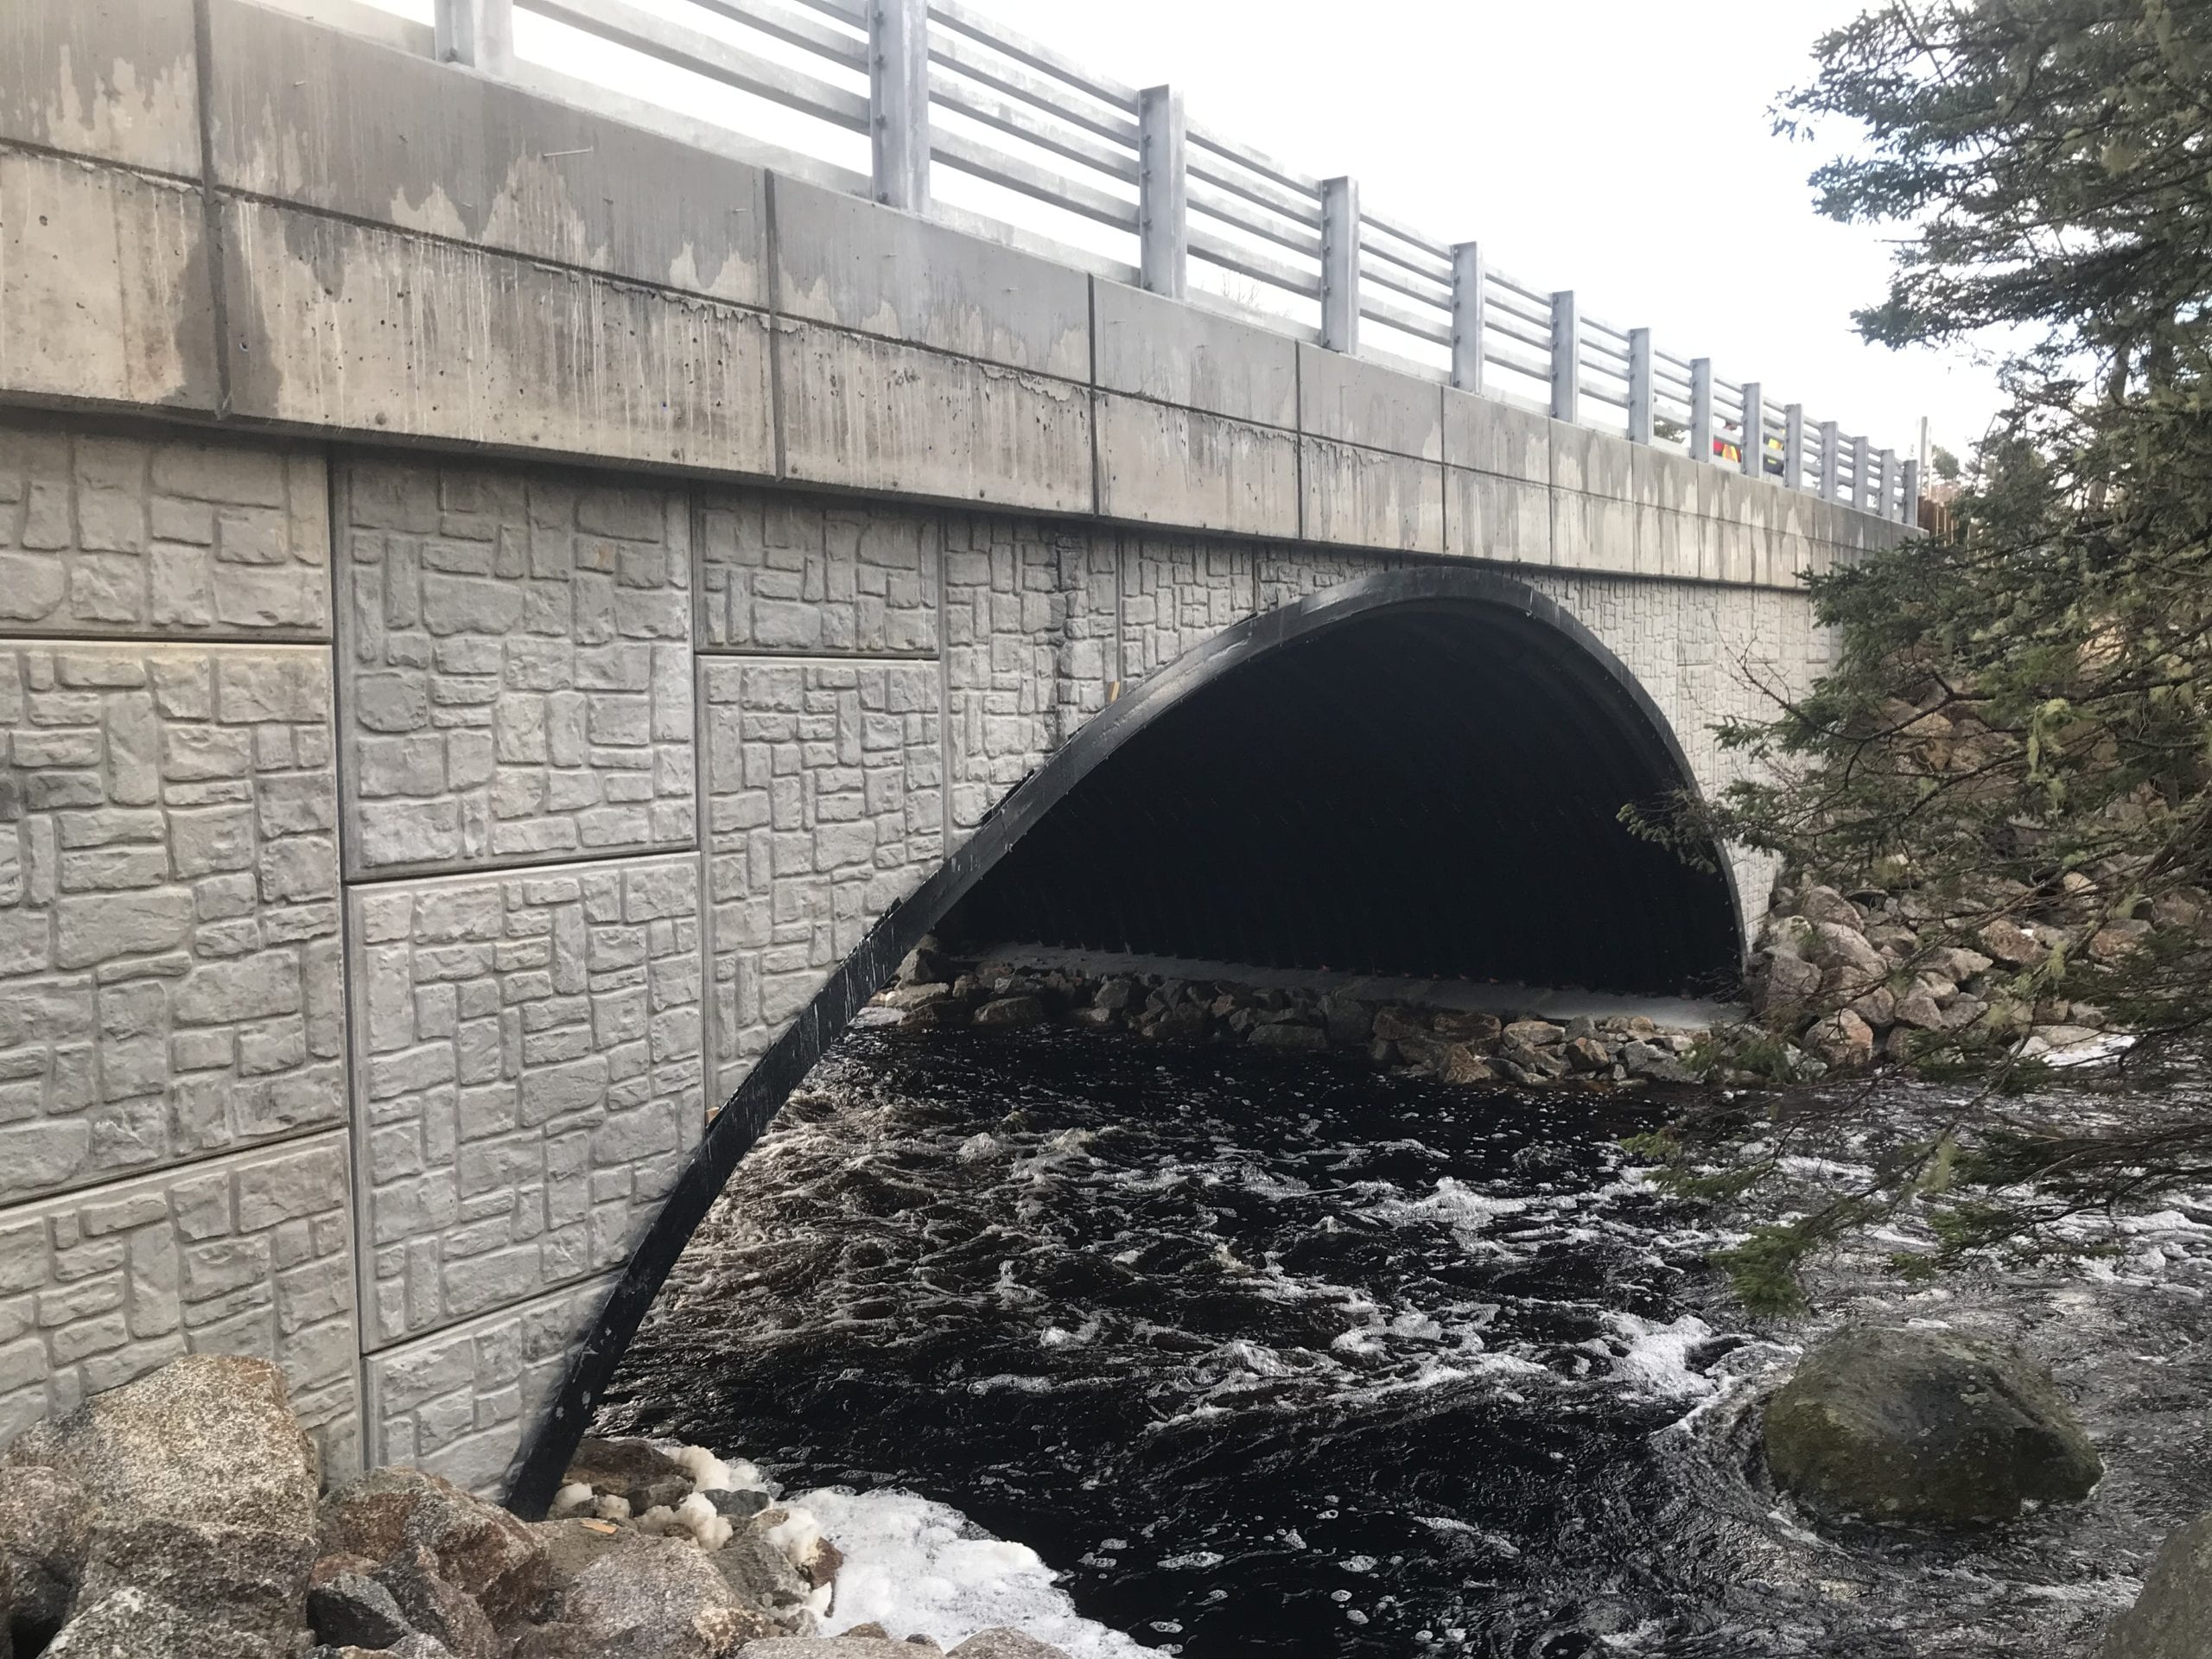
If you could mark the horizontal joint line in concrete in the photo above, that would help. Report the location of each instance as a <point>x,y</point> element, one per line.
<point>418,873</point>
<point>81,1193</point>
<point>475,1322</point>
<point>619,279</point>
<point>1210,414</point>
<point>281,639</point>
<point>814,659</point>
<point>99,164</point>
<point>785,323</point>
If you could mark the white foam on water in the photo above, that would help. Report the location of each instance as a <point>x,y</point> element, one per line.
<point>1656,1361</point>
<point>917,1567</point>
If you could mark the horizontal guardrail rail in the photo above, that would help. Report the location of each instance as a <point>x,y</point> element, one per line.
<point>933,84</point>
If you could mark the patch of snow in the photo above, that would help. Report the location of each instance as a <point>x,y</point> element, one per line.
<point>918,1567</point>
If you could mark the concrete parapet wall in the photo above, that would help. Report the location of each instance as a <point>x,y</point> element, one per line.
<point>388,248</point>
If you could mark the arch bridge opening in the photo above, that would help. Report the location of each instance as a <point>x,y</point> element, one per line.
<point>1418,773</point>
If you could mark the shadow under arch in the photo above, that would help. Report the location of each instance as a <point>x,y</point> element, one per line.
<point>1499,671</point>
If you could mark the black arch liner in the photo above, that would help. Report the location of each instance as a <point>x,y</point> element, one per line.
<point>1622,749</point>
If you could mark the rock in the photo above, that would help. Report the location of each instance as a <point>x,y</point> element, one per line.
<point>2116,940</point>
<point>1381,1052</point>
<point>1003,1644</point>
<point>477,1547</point>
<point>1819,904</point>
<point>1532,1033</point>
<point>2172,1617</point>
<point>2012,944</point>
<point>1919,1008</point>
<point>2057,1039</point>
<point>45,1520</point>
<point>247,1580</point>
<point>1650,1061</point>
<point>1877,1008</point>
<point>739,1505</point>
<point>1348,1020</point>
<point>1587,1054</point>
<point>1958,964</point>
<point>1095,1018</point>
<point>1011,1013</point>
<point>1963,1011</point>
<point>1786,983</point>
<point>209,1437</point>
<point>1893,938</point>
<point>1115,996</point>
<point>1465,1025</point>
<point>1396,1025</point>
<point>1309,1039</point>
<point>760,1576</point>
<point>1846,960</point>
<point>646,1598</point>
<point>632,1470</point>
<point>353,1610</point>
<point>1925,1427</point>
<point>1844,1040</point>
<point>131,1624</point>
<point>923,964</point>
<point>916,996</point>
<point>1462,1066</point>
<point>435,1605</point>
<point>410,1646</point>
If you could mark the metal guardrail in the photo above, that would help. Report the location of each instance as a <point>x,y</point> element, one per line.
<point>930,83</point>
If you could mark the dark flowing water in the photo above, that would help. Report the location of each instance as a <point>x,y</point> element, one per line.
<point>1272,1356</point>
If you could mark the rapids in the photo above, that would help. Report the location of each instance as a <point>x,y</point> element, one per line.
<point>1273,1356</point>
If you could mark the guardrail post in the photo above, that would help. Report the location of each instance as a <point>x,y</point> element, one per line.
<point>1831,459</point>
<point>1793,447</point>
<point>1909,509</point>
<point>1640,418</point>
<point>1566,357</point>
<point>478,33</point>
<point>1862,473</point>
<point>898,101</point>
<point>1701,410</point>
<point>1163,217</point>
<point>1753,458</point>
<point>1885,473</point>
<point>1467,315</point>
<point>1340,264</point>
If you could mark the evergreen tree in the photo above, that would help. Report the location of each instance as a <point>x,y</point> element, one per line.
<point>2017,732</point>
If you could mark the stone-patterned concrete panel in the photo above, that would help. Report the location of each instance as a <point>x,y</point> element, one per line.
<point>1177,593</point>
<point>169,975</point>
<point>1030,649</point>
<point>527,1079</point>
<point>121,534</point>
<point>824,807</point>
<point>459,1404</point>
<point>249,1253</point>
<point>781,574</point>
<point>517,670</point>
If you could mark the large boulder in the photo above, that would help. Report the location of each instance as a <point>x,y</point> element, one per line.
<point>209,1437</point>
<point>648,1597</point>
<point>476,1547</point>
<point>46,1519</point>
<point>2172,1619</point>
<point>1925,1428</point>
<point>131,1624</point>
<point>250,1581</point>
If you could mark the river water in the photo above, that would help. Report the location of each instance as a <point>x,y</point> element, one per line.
<point>1269,1355</point>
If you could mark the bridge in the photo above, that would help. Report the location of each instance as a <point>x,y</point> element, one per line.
<point>517,607</point>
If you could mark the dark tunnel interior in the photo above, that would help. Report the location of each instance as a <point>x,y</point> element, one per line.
<point>1427,789</point>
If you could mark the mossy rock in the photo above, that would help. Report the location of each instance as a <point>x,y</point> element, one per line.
<point>2172,1619</point>
<point>1925,1428</point>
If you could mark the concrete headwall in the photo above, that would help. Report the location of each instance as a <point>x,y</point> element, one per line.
<point>494,603</point>
<point>361,994</point>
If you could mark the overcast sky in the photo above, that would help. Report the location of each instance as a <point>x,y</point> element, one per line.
<point>1622,148</point>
